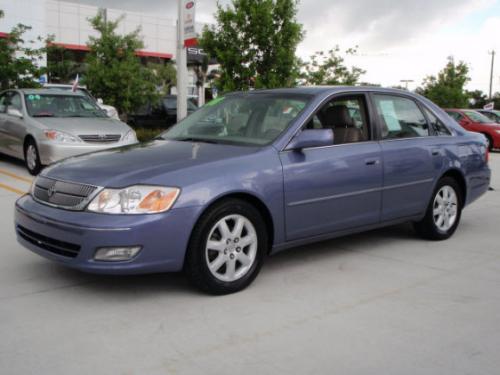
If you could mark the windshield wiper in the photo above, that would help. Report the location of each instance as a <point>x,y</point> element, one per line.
<point>44,115</point>
<point>192,139</point>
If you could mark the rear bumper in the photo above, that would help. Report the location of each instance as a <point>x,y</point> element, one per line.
<point>51,152</point>
<point>163,237</point>
<point>478,184</point>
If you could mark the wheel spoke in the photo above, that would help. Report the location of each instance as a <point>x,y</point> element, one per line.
<point>248,240</point>
<point>244,259</point>
<point>224,229</point>
<point>217,263</point>
<point>215,245</point>
<point>238,227</point>
<point>231,268</point>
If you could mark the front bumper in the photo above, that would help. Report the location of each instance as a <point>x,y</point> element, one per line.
<point>51,152</point>
<point>163,237</point>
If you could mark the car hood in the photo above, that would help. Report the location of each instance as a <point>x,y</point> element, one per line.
<point>84,126</point>
<point>142,163</point>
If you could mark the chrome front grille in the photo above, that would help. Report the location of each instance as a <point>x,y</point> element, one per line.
<point>100,138</point>
<point>69,195</point>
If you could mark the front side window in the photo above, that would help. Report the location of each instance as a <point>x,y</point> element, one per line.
<point>400,117</point>
<point>346,116</point>
<point>15,102</point>
<point>246,119</point>
<point>48,105</point>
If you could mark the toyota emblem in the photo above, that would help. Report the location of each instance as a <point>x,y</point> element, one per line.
<point>51,191</point>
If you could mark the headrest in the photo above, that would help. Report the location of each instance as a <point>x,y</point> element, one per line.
<point>338,117</point>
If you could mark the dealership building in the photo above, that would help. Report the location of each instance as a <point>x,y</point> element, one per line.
<point>68,23</point>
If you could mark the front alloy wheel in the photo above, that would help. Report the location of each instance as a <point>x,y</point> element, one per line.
<point>227,247</point>
<point>32,158</point>
<point>231,248</point>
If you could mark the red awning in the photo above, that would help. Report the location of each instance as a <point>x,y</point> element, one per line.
<point>79,47</point>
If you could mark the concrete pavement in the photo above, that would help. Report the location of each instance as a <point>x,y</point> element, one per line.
<point>383,302</point>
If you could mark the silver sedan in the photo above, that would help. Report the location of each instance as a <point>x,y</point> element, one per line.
<point>44,126</point>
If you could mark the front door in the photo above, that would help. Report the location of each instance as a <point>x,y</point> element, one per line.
<point>334,188</point>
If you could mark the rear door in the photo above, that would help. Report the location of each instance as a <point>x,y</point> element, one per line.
<point>412,159</point>
<point>338,187</point>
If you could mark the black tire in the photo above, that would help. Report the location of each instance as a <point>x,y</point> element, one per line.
<point>196,263</point>
<point>37,166</point>
<point>427,227</point>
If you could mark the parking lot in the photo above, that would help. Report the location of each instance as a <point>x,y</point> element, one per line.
<point>383,302</point>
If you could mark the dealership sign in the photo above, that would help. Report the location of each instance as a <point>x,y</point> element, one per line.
<point>189,23</point>
<point>489,106</point>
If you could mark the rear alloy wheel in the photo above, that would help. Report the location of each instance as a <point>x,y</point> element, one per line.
<point>444,211</point>
<point>32,158</point>
<point>227,248</point>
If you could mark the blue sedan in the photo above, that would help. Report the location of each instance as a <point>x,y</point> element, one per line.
<point>252,174</point>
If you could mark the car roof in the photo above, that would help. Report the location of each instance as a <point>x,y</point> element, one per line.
<point>48,91</point>
<point>322,90</point>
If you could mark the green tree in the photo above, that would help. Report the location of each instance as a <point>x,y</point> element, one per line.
<point>448,88</point>
<point>254,41</point>
<point>166,75</point>
<point>114,72</point>
<point>329,69</point>
<point>19,60</point>
<point>477,98</point>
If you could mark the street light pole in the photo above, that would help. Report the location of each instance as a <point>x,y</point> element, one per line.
<point>407,81</point>
<point>181,60</point>
<point>492,53</point>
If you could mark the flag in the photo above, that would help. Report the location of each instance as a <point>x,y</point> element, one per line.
<point>75,84</point>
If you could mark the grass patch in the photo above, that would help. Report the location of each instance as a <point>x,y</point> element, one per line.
<point>146,134</point>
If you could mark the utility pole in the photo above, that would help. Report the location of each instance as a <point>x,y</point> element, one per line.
<point>492,53</point>
<point>406,82</point>
<point>181,60</point>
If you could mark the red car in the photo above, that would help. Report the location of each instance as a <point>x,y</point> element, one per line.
<point>474,121</point>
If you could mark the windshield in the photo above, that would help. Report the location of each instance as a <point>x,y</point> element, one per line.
<point>47,105</point>
<point>78,90</point>
<point>477,117</point>
<point>253,119</point>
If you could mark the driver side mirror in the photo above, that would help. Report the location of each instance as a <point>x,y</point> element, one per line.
<point>311,138</point>
<point>100,101</point>
<point>14,112</point>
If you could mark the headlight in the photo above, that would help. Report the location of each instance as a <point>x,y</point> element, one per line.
<point>138,199</point>
<point>59,136</point>
<point>498,131</point>
<point>130,137</point>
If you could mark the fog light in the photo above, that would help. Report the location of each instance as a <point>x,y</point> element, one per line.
<point>116,254</point>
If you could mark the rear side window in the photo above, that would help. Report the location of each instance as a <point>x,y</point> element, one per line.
<point>455,115</point>
<point>400,117</point>
<point>436,125</point>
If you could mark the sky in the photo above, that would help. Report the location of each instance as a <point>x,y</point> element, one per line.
<point>397,39</point>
